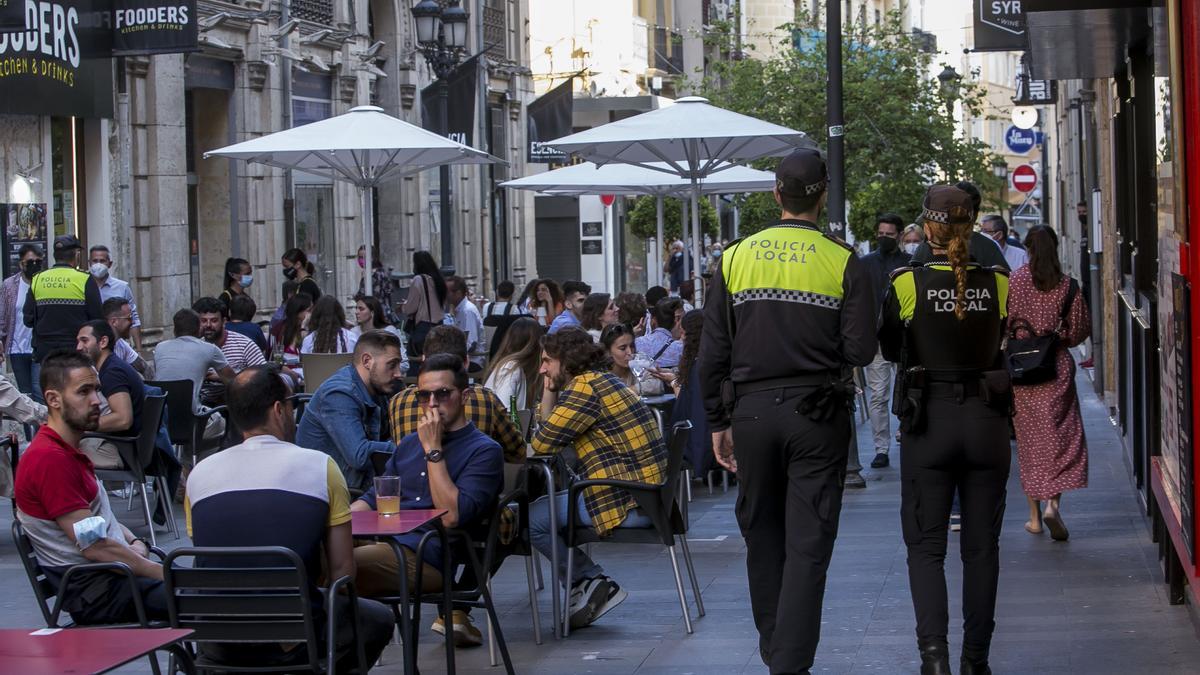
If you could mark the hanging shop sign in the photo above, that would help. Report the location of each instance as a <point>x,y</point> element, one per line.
<point>58,62</point>
<point>549,118</point>
<point>141,27</point>
<point>460,104</point>
<point>1035,92</point>
<point>999,26</point>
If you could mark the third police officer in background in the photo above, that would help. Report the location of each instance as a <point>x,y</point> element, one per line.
<point>943,322</point>
<point>789,310</point>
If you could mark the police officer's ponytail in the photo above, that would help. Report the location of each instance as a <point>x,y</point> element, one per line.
<point>957,252</point>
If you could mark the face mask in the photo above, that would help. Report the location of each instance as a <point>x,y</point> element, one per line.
<point>362,263</point>
<point>289,272</point>
<point>886,244</point>
<point>99,270</point>
<point>31,267</point>
<point>246,280</point>
<point>717,253</point>
<point>1083,218</point>
<point>911,248</point>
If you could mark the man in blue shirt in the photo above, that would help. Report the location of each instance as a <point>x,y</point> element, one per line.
<point>574,293</point>
<point>344,416</point>
<point>662,344</point>
<point>447,464</point>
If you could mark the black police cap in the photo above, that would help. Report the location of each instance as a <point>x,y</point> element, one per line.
<point>802,174</point>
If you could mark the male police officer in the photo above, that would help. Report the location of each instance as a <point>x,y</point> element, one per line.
<point>788,311</point>
<point>60,300</point>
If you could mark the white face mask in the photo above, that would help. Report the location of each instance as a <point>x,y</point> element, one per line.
<point>911,248</point>
<point>99,270</point>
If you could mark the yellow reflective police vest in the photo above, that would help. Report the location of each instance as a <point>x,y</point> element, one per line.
<point>60,286</point>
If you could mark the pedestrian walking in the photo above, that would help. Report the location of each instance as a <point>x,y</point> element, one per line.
<point>297,267</point>
<point>1051,449</point>
<point>880,373</point>
<point>777,401</point>
<point>943,322</point>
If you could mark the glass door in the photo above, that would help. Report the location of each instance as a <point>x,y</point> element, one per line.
<point>315,235</point>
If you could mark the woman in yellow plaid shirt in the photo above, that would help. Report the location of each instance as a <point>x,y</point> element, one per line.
<point>615,436</point>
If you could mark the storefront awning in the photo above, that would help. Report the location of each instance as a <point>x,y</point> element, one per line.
<point>1083,39</point>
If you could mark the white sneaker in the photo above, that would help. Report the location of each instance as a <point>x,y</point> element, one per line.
<point>586,598</point>
<point>616,595</point>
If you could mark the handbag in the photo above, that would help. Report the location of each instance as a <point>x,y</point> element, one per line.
<point>417,330</point>
<point>1034,359</point>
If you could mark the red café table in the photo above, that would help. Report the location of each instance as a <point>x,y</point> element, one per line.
<point>53,651</point>
<point>371,525</point>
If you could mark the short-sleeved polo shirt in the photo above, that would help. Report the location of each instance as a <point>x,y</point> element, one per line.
<point>116,377</point>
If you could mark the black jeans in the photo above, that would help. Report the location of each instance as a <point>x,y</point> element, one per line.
<point>100,597</point>
<point>963,446</point>
<point>791,472</point>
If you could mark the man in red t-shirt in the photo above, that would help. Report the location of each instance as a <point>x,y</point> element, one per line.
<point>56,489</point>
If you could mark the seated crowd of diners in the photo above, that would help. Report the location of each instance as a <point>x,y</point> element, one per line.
<point>273,475</point>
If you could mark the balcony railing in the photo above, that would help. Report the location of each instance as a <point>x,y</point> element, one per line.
<point>317,11</point>
<point>667,54</point>
<point>495,31</point>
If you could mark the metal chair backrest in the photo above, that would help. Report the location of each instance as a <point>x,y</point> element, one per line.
<point>180,417</point>
<point>233,598</point>
<point>675,449</point>
<point>319,367</point>
<point>43,590</point>
<point>152,413</point>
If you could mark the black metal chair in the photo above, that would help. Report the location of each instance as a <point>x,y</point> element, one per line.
<point>185,426</point>
<point>661,503</point>
<point>137,460</point>
<point>241,602</point>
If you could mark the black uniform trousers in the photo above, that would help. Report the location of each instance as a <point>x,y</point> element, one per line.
<point>965,446</point>
<point>791,472</point>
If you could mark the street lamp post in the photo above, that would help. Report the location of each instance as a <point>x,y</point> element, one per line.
<point>1000,170</point>
<point>442,38</point>
<point>949,82</point>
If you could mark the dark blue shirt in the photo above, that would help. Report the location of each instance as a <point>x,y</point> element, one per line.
<point>250,330</point>
<point>476,465</point>
<point>116,376</point>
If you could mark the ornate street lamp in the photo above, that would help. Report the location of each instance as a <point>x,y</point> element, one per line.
<point>441,39</point>
<point>949,81</point>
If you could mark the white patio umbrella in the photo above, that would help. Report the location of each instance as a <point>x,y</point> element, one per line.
<point>692,137</point>
<point>364,146</point>
<point>629,179</point>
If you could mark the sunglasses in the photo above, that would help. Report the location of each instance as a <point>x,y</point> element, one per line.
<point>440,395</point>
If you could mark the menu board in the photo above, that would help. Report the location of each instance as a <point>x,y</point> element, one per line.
<point>23,224</point>
<point>1180,316</point>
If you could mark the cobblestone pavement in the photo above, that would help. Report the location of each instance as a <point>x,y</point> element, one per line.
<point>1093,605</point>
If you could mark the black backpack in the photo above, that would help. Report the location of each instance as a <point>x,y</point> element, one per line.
<point>1034,359</point>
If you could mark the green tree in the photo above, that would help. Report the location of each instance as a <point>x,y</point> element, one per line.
<point>899,132</point>
<point>643,218</point>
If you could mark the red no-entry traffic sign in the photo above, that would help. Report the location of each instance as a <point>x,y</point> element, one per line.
<point>1024,178</point>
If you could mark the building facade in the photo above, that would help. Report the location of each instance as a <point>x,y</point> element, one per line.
<point>135,179</point>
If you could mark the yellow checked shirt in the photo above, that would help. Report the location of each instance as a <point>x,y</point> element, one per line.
<point>615,437</point>
<point>482,408</point>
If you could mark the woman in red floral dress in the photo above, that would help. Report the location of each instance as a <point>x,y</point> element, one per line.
<point>1051,449</point>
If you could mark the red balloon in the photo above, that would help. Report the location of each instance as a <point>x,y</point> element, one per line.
<point>608,200</point>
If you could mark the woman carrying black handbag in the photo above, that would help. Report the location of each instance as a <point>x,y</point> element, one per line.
<point>423,309</point>
<point>1045,309</point>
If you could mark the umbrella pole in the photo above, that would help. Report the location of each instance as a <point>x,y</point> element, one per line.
<point>658,241</point>
<point>696,247</point>
<point>368,230</point>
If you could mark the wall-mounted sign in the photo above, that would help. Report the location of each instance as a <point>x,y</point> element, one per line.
<point>58,62</point>
<point>591,247</point>
<point>549,118</point>
<point>999,26</point>
<point>153,27</point>
<point>1020,141</point>
<point>592,229</point>
<point>1024,178</point>
<point>1035,92</point>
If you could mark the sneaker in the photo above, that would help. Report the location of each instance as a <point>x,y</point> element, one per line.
<point>616,595</point>
<point>881,461</point>
<point>586,598</point>
<point>955,522</point>
<point>465,632</point>
<point>855,480</point>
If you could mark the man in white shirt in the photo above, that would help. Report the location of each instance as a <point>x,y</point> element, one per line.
<point>101,262</point>
<point>996,228</point>
<point>465,315</point>
<point>14,334</point>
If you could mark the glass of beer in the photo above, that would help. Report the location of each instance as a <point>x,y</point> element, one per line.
<point>387,495</point>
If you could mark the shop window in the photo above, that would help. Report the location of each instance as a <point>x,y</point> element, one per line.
<point>68,210</point>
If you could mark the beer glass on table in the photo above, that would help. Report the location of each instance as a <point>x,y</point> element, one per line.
<point>387,495</point>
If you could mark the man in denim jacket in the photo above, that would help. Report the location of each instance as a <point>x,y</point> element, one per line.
<point>344,417</point>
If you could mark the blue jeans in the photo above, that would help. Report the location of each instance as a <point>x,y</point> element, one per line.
<point>26,372</point>
<point>543,539</point>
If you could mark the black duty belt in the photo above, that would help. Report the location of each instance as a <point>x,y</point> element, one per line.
<point>942,388</point>
<point>953,376</point>
<point>806,380</point>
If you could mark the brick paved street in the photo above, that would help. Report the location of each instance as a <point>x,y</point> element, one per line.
<point>1092,605</point>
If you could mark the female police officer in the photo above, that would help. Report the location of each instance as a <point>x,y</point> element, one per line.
<point>943,322</point>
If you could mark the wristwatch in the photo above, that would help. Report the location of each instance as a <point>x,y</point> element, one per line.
<point>433,456</point>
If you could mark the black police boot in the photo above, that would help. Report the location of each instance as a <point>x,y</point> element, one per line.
<point>974,662</point>
<point>935,657</point>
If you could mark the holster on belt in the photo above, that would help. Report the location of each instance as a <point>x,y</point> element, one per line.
<point>909,402</point>
<point>995,388</point>
<point>824,402</point>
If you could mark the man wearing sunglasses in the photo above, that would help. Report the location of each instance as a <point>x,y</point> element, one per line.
<point>447,464</point>
<point>345,415</point>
